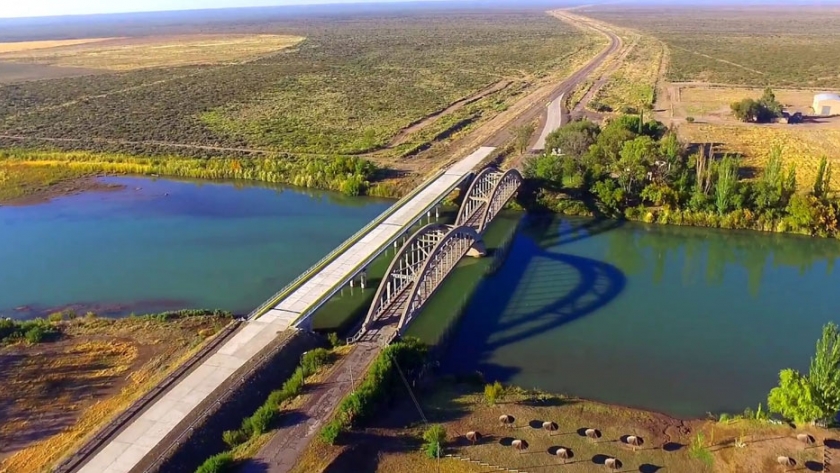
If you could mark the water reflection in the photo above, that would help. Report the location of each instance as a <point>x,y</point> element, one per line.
<point>678,319</point>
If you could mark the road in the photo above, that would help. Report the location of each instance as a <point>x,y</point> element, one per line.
<point>566,87</point>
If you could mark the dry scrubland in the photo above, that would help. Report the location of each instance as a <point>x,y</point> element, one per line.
<point>55,394</point>
<point>668,443</point>
<point>123,54</point>
<point>348,88</point>
<point>777,46</point>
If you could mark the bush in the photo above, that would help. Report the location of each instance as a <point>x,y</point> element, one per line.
<point>689,119</point>
<point>434,437</point>
<point>313,360</point>
<point>232,438</point>
<point>34,335</point>
<point>221,463</point>
<point>262,419</point>
<point>329,434</point>
<point>333,339</point>
<point>494,392</point>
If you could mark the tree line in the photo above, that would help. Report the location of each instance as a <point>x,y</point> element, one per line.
<point>640,170</point>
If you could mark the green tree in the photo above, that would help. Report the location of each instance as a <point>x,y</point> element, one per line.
<point>823,179</point>
<point>433,440</point>
<point>746,110</point>
<point>573,139</point>
<point>795,398</point>
<point>635,159</point>
<point>824,372</point>
<point>726,184</point>
<point>545,166</point>
<point>609,193</point>
<point>522,136</point>
<point>816,396</point>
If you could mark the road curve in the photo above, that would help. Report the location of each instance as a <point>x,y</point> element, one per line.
<point>566,87</point>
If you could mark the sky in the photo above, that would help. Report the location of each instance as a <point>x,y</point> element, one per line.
<point>28,8</point>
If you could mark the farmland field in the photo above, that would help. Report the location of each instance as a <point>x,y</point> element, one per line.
<point>760,46</point>
<point>349,88</point>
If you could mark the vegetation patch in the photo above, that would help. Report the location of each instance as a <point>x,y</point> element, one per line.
<point>61,390</point>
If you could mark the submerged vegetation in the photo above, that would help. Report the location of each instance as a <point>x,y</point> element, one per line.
<point>640,170</point>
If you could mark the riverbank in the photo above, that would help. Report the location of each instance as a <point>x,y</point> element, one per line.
<point>393,443</point>
<point>65,385</point>
<point>28,176</point>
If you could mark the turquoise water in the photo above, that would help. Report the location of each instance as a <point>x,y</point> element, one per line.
<point>162,244</point>
<point>677,320</point>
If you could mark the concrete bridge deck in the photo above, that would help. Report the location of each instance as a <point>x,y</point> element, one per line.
<point>123,453</point>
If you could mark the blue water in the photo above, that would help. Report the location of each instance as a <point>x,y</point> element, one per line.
<point>162,244</point>
<point>678,320</point>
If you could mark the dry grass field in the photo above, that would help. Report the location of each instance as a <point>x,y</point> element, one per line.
<point>801,145</point>
<point>27,46</point>
<point>56,394</point>
<point>125,54</point>
<point>393,446</point>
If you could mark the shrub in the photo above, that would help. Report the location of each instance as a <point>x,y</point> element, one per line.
<point>35,334</point>
<point>434,437</point>
<point>262,419</point>
<point>333,339</point>
<point>56,317</point>
<point>221,463</point>
<point>329,434</point>
<point>232,438</point>
<point>494,392</point>
<point>313,360</point>
<point>689,119</point>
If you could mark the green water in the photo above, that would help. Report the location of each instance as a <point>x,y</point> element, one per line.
<point>163,245</point>
<point>678,320</point>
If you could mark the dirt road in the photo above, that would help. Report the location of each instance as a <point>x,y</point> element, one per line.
<point>566,87</point>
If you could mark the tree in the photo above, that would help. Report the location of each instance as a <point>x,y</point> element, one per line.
<point>816,396</point>
<point>545,166</point>
<point>747,110</point>
<point>635,158</point>
<point>433,438</point>
<point>522,136</point>
<point>824,372</point>
<point>763,110</point>
<point>823,179</point>
<point>573,139</point>
<point>795,398</point>
<point>726,184</point>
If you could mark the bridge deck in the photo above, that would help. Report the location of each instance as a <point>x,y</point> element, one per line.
<point>134,443</point>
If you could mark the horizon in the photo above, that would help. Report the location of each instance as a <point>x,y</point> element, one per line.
<point>35,9</point>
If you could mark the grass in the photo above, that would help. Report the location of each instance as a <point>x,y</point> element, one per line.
<point>633,84</point>
<point>19,180</point>
<point>389,447</point>
<point>126,54</point>
<point>777,46</point>
<point>348,88</point>
<point>59,393</point>
<point>801,146</point>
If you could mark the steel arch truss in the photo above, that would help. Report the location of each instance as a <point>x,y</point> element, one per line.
<point>487,195</point>
<point>404,268</point>
<point>503,191</point>
<point>476,196</point>
<point>440,262</point>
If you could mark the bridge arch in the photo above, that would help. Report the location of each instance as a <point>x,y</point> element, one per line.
<point>403,268</point>
<point>476,195</point>
<point>502,192</point>
<point>441,261</point>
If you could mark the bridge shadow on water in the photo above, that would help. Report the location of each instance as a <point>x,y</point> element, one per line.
<point>537,290</point>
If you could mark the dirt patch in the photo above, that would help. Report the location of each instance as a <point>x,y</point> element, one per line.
<point>56,394</point>
<point>393,444</point>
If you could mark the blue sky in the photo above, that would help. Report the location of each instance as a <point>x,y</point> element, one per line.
<point>25,8</point>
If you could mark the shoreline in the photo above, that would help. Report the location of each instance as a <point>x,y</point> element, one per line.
<point>63,188</point>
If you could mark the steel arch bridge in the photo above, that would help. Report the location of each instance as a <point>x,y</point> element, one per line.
<point>488,193</point>
<point>428,256</point>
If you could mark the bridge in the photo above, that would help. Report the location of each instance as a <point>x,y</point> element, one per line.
<point>421,264</point>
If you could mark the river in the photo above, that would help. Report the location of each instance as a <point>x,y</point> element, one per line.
<point>673,319</point>
<point>163,245</point>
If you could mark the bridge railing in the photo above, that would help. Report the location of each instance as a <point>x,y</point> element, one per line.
<point>303,277</point>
